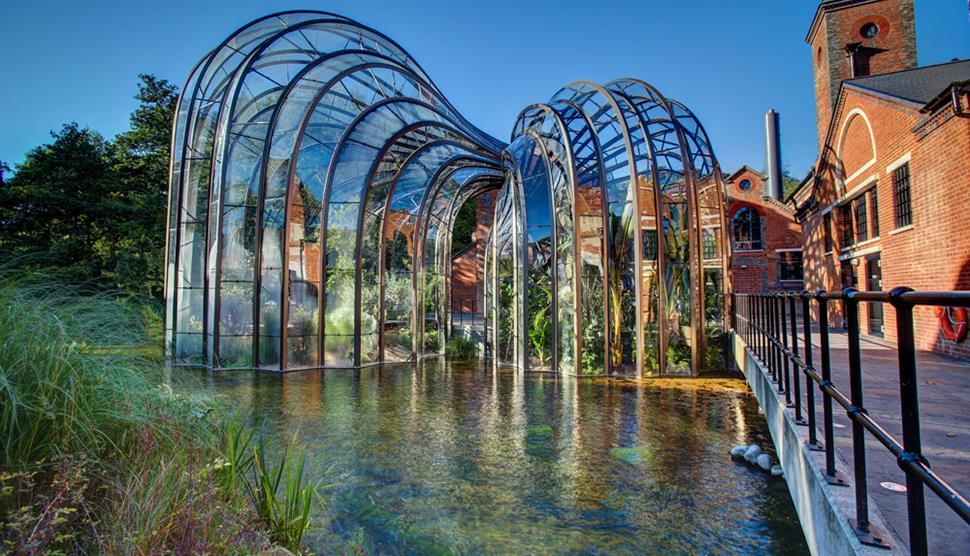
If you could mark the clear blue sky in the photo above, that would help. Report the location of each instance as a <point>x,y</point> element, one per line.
<point>70,60</point>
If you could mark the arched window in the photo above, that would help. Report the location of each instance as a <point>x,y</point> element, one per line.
<point>747,230</point>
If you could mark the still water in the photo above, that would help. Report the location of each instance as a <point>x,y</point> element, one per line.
<point>454,458</point>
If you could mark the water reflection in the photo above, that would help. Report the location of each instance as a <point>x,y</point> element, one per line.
<point>440,457</point>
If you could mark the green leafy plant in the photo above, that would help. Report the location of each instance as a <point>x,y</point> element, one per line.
<point>281,497</point>
<point>540,310</point>
<point>460,347</point>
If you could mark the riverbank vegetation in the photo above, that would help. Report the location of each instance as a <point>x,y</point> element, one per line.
<point>99,454</point>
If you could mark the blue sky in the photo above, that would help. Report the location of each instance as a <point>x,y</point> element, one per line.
<point>63,61</point>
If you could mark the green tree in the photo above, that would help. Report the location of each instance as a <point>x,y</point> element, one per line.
<point>464,226</point>
<point>62,202</point>
<point>140,161</point>
<point>789,182</point>
<point>94,210</point>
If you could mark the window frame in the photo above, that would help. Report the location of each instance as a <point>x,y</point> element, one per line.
<point>902,196</point>
<point>755,226</point>
<point>793,264</point>
<point>860,218</point>
<point>829,244</point>
<point>874,211</point>
<point>846,230</point>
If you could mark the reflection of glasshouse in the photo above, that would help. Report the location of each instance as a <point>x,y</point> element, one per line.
<point>316,175</point>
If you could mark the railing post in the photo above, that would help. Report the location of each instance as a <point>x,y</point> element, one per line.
<point>909,402</point>
<point>743,309</point>
<point>773,338</point>
<point>734,312</point>
<point>765,354</point>
<point>809,366</point>
<point>796,379</point>
<point>785,354</point>
<point>851,307</point>
<point>760,303</point>
<point>828,428</point>
<point>756,305</point>
<point>864,529</point>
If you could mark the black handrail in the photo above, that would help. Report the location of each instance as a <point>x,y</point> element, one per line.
<point>761,320</point>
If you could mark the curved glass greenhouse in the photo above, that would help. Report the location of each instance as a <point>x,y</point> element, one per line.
<point>316,175</point>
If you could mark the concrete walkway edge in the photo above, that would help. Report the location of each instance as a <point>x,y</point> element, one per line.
<point>823,510</point>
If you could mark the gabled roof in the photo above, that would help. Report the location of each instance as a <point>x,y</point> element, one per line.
<point>742,169</point>
<point>918,85</point>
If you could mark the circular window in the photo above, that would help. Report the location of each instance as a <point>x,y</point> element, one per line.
<point>869,30</point>
<point>745,185</point>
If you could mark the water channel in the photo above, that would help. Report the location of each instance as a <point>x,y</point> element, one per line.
<point>445,457</point>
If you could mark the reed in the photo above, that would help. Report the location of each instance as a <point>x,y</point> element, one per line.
<point>99,454</point>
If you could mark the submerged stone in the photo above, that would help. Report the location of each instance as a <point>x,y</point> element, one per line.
<point>539,431</point>
<point>632,454</point>
<point>764,461</point>
<point>777,470</point>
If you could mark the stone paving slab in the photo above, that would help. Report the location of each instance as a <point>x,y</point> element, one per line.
<point>944,395</point>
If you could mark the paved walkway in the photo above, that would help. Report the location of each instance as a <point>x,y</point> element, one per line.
<point>944,388</point>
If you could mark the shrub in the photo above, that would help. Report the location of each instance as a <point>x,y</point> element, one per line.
<point>460,347</point>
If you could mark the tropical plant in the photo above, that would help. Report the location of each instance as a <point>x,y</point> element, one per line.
<point>540,310</point>
<point>460,347</point>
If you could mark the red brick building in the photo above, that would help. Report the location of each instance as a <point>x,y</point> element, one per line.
<point>889,204</point>
<point>766,239</point>
<point>467,266</point>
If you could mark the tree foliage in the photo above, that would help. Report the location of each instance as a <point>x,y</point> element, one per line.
<point>94,210</point>
<point>464,226</point>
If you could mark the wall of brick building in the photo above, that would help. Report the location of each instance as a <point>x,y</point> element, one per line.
<point>892,49</point>
<point>466,269</point>
<point>933,254</point>
<point>759,271</point>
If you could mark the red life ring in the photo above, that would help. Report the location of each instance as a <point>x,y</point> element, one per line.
<point>953,323</point>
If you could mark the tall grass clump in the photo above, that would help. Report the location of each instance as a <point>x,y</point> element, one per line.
<point>99,454</point>
<point>76,372</point>
<point>282,497</point>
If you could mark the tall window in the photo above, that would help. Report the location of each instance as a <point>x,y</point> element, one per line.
<point>747,230</point>
<point>827,230</point>
<point>901,198</point>
<point>709,242</point>
<point>790,265</point>
<point>861,223</point>
<point>874,209</point>
<point>845,226</point>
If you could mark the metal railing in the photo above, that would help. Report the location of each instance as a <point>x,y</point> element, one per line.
<point>768,325</point>
<point>465,310</point>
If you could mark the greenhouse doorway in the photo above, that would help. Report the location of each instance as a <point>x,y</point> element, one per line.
<point>469,236</point>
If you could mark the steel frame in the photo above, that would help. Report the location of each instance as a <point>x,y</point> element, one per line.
<point>310,107</point>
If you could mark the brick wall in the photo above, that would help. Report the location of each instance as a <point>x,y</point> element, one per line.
<point>933,254</point>
<point>758,271</point>
<point>466,269</point>
<point>892,49</point>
